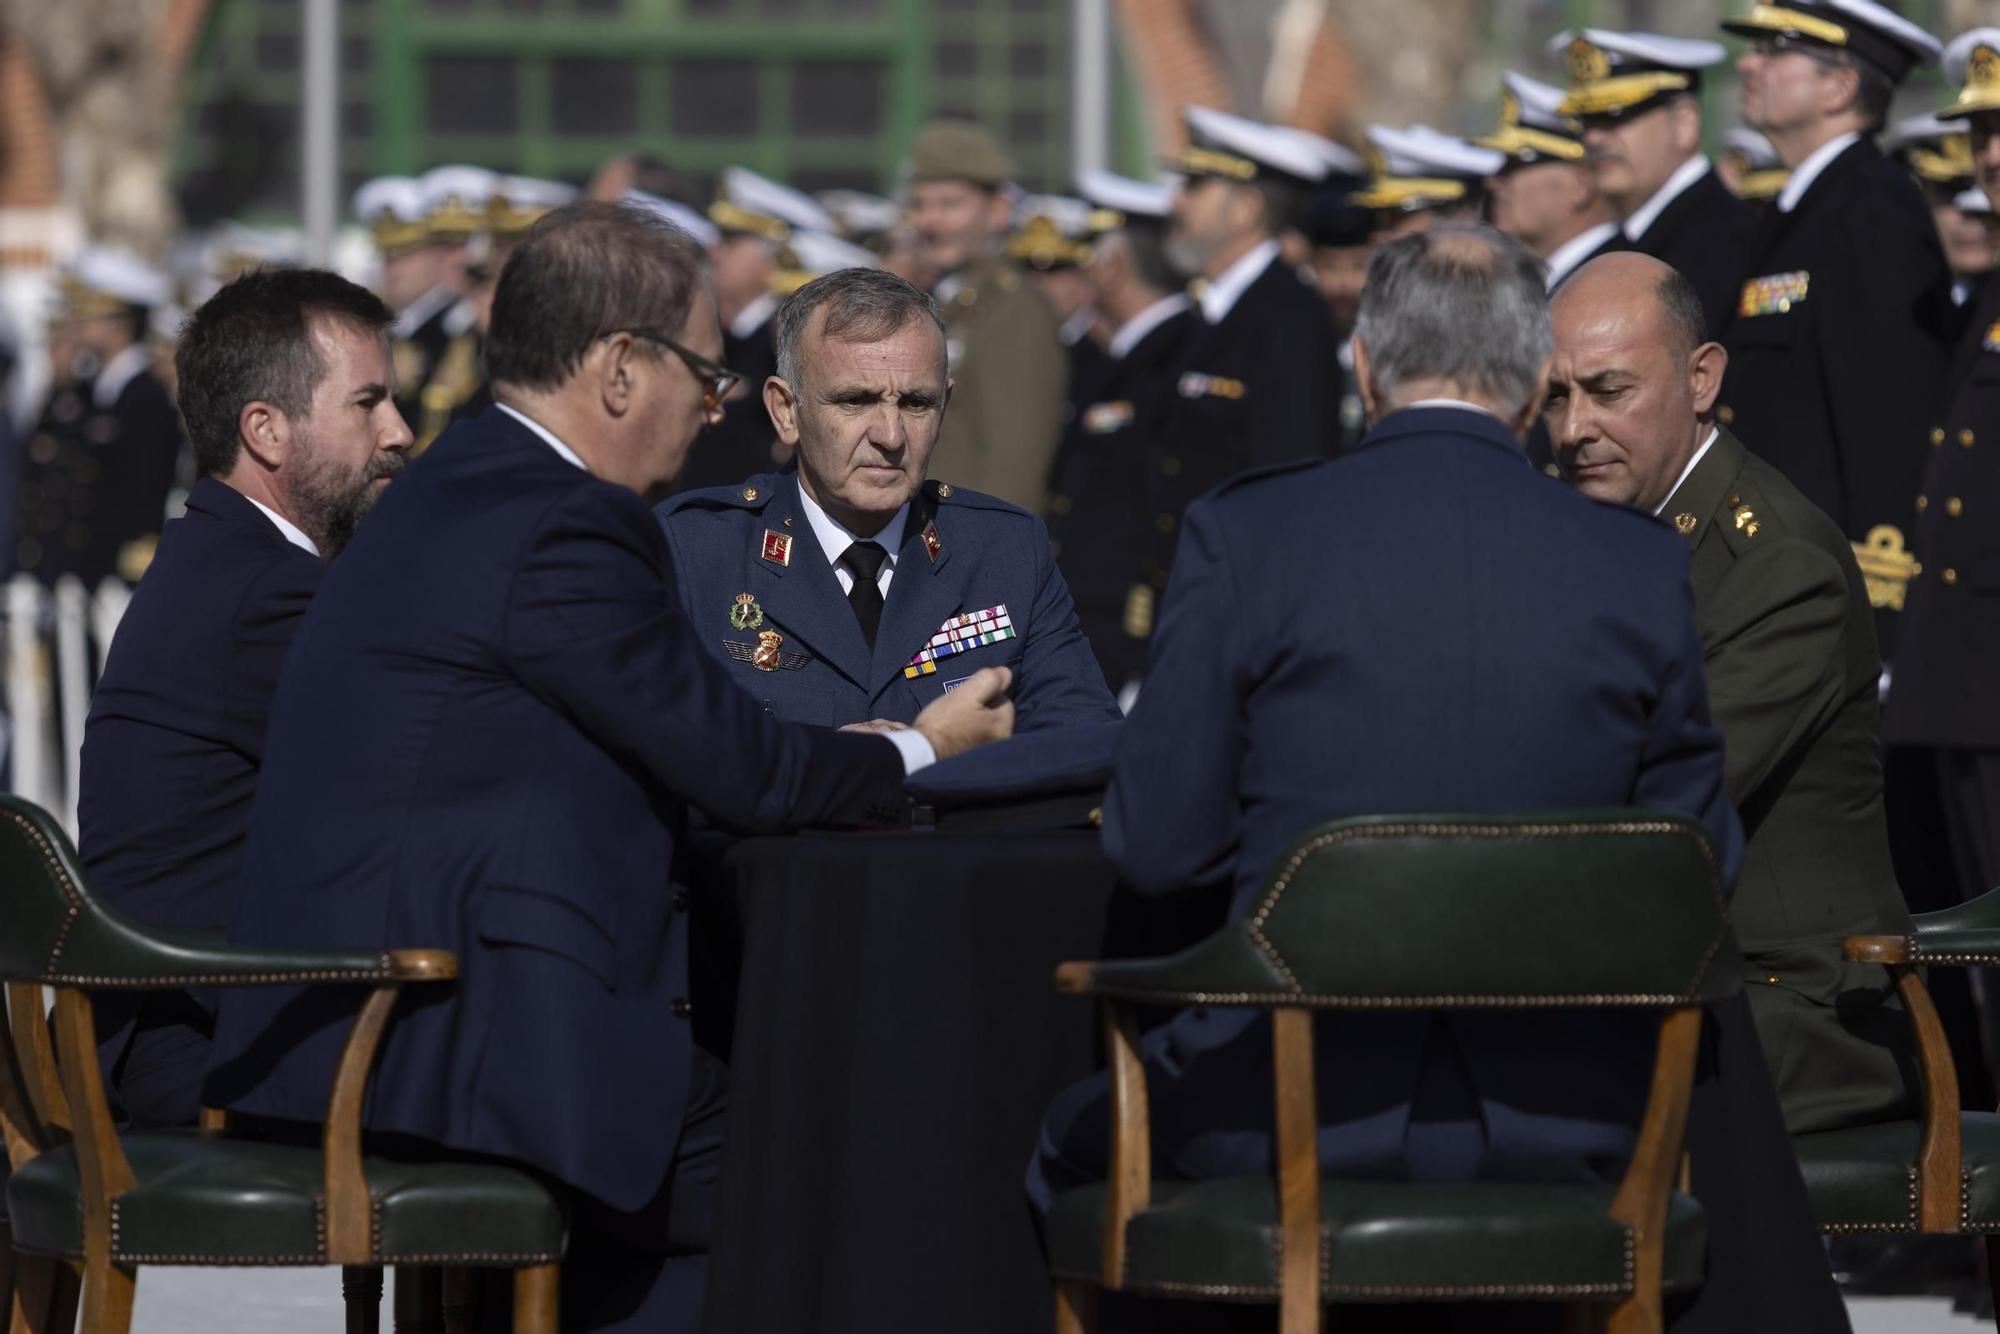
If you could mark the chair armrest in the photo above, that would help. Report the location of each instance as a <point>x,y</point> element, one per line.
<point>1225,969</point>
<point>111,952</point>
<point>1965,935</point>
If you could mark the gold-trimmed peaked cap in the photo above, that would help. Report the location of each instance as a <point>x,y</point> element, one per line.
<point>1972,65</point>
<point>1054,232</point>
<point>392,209</point>
<point>958,150</point>
<point>1532,127</point>
<point>1872,33</point>
<point>1615,75</point>
<point>1420,168</point>
<point>1761,174</point>
<point>751,205</point>
<point>1235,148</point>
<point>1934,149</point>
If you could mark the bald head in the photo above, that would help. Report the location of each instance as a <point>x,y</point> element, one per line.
<point>1633,383</point>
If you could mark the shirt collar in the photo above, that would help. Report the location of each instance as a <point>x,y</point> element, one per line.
<point>834,539</point>
<point>413,316</point>
<point>124,367</point>
<point>1574,251</point>
<point>290,531</point>
<point>1077,327</point>
<point>1152,317</point>
<point>1450,403</point>
<point>752,317</point>
<point>1648,213</point>
<point>1686,472</point>
<point>1808,171</point>
<point>1219,297</point>
<point>562,450</point>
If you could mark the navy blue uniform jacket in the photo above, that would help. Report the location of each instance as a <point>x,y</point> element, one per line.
<point>989,554</point>
<point>1424,625</point>
<point>176,727</point>
<point>483,740</point>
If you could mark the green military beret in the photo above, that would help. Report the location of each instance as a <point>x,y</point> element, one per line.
<point>958,150</point>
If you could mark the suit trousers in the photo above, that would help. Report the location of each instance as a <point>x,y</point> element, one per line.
<point>153,1048</point>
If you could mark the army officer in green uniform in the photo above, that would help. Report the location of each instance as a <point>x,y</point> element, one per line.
<point>1792,672</point>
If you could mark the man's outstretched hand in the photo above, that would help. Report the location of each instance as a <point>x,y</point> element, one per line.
<point>972,715</point>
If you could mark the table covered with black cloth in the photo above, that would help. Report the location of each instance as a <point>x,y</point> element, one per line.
<point>896,1040</point>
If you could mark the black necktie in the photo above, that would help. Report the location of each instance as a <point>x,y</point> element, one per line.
<point>864,560</point>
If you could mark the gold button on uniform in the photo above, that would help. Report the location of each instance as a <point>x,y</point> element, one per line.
<point>1170,466</point>
<point>1937,435</point>
<point>1965,437</point>
<point>944,490</point>
<point>1950,576</point>
<point>1923,503</point>
<point>1725,414</point>
<point>1165,523</point>
<point>749,493</point>
<point>1954,507</point>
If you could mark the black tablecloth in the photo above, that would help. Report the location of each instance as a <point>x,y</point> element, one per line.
<point>896,1039</point>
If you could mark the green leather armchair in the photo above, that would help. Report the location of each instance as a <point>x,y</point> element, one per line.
<point>1939,1174</point>
<point>1589,909</point>
<point>83,1197</point>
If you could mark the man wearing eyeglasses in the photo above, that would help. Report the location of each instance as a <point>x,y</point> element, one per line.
<point>1841,336</point>
<point>850,590</point>
<point>485,738</point>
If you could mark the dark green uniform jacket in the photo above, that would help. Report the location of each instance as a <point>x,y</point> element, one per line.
<point>1789,644</point>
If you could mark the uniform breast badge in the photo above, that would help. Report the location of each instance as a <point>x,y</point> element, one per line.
<point>961,634</point>
<point>933,544</point>
<point>767,654</point>
<point>745,614</point>
<point>777,547</point>
<point>1684,523</point>
<point>1991,343</point>
<point>1774,294</point>
<point>1885,566</point>
<point>1198,384</point>
<point>1104,418</point>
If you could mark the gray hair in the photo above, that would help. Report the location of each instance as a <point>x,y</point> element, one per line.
<point>1460,303</point>
<point>862,306</point>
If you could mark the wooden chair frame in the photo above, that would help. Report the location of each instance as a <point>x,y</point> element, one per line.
<point>51,1095</point>
<point>1640,1203</point>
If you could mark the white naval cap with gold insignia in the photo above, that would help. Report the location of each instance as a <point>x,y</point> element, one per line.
<point>1236,148</point>
<point>1339,158</point>
<point>753,205</point>
<point>1418,167</point>
<point>456,198</point>
<point>815,254</point>
<point>104,280</point>
<point>1972,65</point>
<point>519,202</point>
<point>856,213</point>
<point>1936,149</point>
<point>675,212</point>
<point>1615,75</point>
<point>392,208</point>
<point>1761,173</point>
<point>1052,232</point>
<point>1127,197</point>
<point>1874,34</point>
<point>1532,125</point>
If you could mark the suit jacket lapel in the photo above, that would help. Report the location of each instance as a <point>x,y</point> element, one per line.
<point>919,599</point>
<point>803,598</point>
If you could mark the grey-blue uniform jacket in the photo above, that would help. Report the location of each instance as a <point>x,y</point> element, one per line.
<point>976,585</point>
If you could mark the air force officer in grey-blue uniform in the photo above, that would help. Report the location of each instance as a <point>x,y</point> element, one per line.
<point>849,590</point>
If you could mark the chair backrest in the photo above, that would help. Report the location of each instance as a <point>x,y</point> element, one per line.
<point>1559,908</point>
<point>1592,907</point>
<point>43,902</point>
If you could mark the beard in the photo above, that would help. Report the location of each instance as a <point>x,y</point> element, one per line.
<point>333,499</point>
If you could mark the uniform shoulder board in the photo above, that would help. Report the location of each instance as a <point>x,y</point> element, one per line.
<point>1748,519</point>
<point>752,495</point>
<point>945,493</point>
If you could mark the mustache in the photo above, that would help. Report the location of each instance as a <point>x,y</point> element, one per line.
<point>385,465</point>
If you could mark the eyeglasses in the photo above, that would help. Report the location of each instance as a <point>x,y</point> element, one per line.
<point>1778,44</point>
<point>716,379</point>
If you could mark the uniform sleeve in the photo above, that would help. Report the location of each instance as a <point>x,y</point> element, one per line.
<point>1060,683</point>
<point>1885,343</point>
<point>1775,660</point>
<point>266,620</point>
<point>1171,819</point>
<point>593,628</point>
<point>1681,765</point>
<point>1018,410</point>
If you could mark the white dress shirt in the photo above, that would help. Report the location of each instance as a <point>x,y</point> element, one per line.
<point>1808,171</point>
<point>288,530</point>
<point>1152,317</point>
<point>1574,251</point>
<point>1686,472</point>
<point>563,451</point>
<point>834,540</point>
<point>1648,213</point>
<point>1219,297</point>
<point>124,367</point>
<point>752,317</point>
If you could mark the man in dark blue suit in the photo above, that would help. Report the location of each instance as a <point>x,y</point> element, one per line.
<point>1422,625</point>
<point>485,739</point>
<point>288,391</point>
<point>850,589</point>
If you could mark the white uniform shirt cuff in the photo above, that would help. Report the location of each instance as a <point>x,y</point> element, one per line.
<point>915,748</point>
